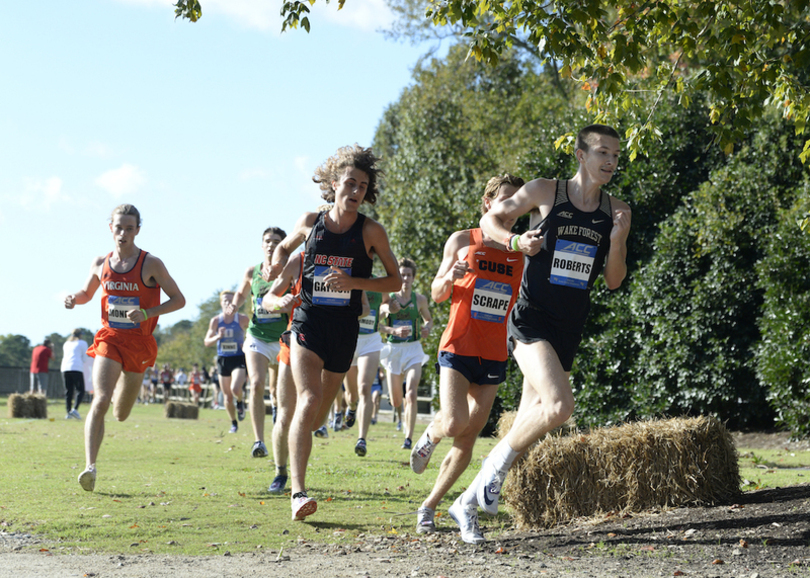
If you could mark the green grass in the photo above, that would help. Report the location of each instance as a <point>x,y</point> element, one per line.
<point>773,468</point>
<point>187,486</point>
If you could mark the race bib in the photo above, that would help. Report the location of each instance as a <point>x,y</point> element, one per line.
<point>229,347</point>
<point>117,309</point>
<point>403,323</point>
<point>367,323</point>
<point>490,301</point>
<point>262,314</point>
<point>572,264</point>
<point>323,295</point>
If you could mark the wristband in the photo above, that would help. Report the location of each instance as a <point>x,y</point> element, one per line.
<point>145,316</point>
<point>513,242</point>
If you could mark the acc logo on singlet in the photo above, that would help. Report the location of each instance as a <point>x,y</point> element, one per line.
<point>572,264</point>
<point>490,300</point>
<point>117,309</point>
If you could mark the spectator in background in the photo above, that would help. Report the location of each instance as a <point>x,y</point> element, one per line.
<point>166,380</point>
<point>195,383</point>
<point>39,366</point>
<point>180,377</point>
<point>74,352</point>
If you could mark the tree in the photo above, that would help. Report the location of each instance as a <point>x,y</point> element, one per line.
<point>744,56</point>
<point>15,351</point>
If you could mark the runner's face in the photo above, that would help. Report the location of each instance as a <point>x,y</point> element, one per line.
<point>351,189</point>
<point>269,243</point>
<point>602,159</point>
<point>407,277</point>
<point>225,300</point>
<point>505,191</point>
<point>124,229</point>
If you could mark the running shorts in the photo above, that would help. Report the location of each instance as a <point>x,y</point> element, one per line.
<point>135,353</point>
<point>284,348</point>
<point>330,337</point>
<point>226,364</point>
<point>367,344</point>
<point>269,350</point>
<point>528,324</point>
<point>474,369</point>
<point>396,358</point>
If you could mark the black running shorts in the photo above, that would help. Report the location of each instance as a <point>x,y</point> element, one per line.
<point>528,324</point>
<point>331,337</point>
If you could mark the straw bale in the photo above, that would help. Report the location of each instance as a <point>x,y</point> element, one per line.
<point>628,468</point>
<point>179,410</point>
<point>28,405</point>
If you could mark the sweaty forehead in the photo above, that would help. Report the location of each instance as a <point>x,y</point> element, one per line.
<point>596,140</point>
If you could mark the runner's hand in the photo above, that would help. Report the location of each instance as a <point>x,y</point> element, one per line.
<point>459,269</point>
<point>70,301</point>
<point>530,242</point>
<point>621,225</point>
<point>337,280</point>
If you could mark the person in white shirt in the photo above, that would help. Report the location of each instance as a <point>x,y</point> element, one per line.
<point>74,353</point>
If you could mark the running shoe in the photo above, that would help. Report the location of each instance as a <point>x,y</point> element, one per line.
<point>240,410</point>
<point>420,455</point>
<point>259,450</point>
<point>74,413</point>
<point>406,445</point>
<point>68,416</point>
<point>374,421</point>
<point>337,425</point>
<point>424,521</point>
<point>351,417</point>
<point>467,519</point>
<point>278,485</point>
<point>399,425</point>
<point>234,428</point>
<point>322,432</point>
<point>360,447</point>
<point>489,489</point>
<point>302,506</point>
<point>87,479</point>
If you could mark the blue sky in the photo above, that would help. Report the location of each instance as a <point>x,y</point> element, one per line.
<point>212,130</point>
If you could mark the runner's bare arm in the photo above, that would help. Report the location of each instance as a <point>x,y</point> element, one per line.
<point>377,243</point>
<point>155,270</point>
<point>278,298</point>
<point>299,234</point>
<point>616,264</point>
<point>92,283</point>
<point>424,311</point>
<point>366,306</point>
<point>212,335</point>
<point>452,267</point>
<point>534,195</point>
<point>242,293</point>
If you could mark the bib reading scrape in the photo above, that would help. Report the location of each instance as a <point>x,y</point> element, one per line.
<point>367,322</point>
<point>117,309</point>
<point>572,264</point>
<point>490,301</point>
<point>322,294</point>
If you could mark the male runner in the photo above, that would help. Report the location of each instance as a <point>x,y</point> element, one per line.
<point>483,280</point>
<point>576,232</point>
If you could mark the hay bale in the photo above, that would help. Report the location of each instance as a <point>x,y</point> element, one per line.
<point>179,410</point>
<point>629,468</point>
<point>28,405</point>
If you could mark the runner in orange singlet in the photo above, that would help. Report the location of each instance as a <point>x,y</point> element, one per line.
<point>484,282</point>
<point>130,281</point>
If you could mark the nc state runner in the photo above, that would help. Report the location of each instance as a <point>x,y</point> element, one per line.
<point>482,280</point>
<point>340,246</point>
<point>577,231</point>
<point>130,281</point>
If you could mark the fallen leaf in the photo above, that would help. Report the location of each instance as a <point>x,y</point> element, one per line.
<point>678,573</point>
<point>718,561</point>
<point>133,526</point>
<point>743,543</point>
<point>241,494</point>
<point>611,535</point>
<point>500,550</point>
<point>329,499</point>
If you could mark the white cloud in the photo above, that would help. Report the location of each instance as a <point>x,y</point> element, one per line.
<point>124,180</point>
<point>42,194</point>
<point>365,15</point>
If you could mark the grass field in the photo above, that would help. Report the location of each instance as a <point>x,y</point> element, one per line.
<point>188,486</point>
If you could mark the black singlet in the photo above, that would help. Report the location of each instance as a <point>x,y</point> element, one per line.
<point>346,251</point>
<point>558,279</point>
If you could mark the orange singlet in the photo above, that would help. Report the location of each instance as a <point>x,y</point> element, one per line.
<point>481,302</point>
<point>284,353</point>
<point>131,344</point>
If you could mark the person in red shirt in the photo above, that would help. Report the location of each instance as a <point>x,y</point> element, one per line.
<point>39,366</point>
<point>482,280</point>
<point>131,280</point>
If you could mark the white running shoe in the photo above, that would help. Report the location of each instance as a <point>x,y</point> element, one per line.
<point>467,519</point>
<point>87,479</point>
<point>302,506</point>
<point>489,488</point>
<point>74,413</point>
<point>259,450</point>
<point>425,523</point>
<point>421,452</point>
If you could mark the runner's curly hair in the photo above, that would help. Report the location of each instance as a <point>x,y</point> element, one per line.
<point>349,156</point>
<point>126,209</point>
<point>494,186</point>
